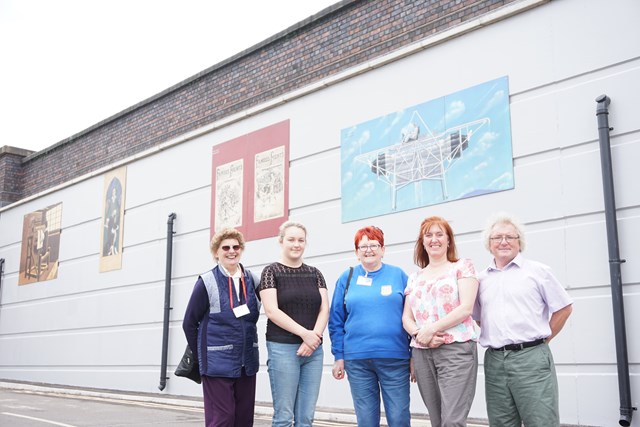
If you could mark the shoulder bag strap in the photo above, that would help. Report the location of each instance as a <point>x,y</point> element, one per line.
<point>346,289</point>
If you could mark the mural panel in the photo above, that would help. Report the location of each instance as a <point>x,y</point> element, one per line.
<point>40,245</point>
<point>112,228</point>
<point>268,197</point>
<point>249,188</point>
<point>449,148</point>
<point>228,192</point>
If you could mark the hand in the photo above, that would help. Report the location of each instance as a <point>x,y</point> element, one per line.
<point>437,340</point>
<point>424,335</point>
<point>311,339</point>
<point>304,350</point>
<point>338,369</point>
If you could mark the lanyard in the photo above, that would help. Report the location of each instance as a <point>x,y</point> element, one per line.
<point>244,288</point>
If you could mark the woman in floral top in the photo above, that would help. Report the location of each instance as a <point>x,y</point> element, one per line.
<point>437,314</point>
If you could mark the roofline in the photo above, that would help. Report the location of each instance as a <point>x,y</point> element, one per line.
<point>247,52</point>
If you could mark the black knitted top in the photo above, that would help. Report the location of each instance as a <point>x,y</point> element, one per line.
<point>298,297</point>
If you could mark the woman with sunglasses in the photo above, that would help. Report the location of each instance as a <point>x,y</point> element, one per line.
<point>220,326</point>
<point>367,339</point>
<point>295,301</point>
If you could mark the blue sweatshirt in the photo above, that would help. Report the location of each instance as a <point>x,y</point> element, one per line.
<point>372,327</point>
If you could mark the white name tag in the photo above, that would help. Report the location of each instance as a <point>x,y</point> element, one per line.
<point>241,310</point>
<point>385,290</point>
<point>364,281</point>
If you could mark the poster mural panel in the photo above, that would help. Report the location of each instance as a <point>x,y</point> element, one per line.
<point>229,187</point>
<point>268,195</point>
<point>449,148</point>
<point>112,228</point>
<point>40,248</point>
<point>249,188</point>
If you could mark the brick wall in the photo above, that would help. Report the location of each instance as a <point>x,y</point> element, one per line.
<point>340,37</point>
<point>11,171</point>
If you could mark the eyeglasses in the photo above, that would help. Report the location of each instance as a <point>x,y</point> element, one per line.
<point>372,247</point>
<point>227,247</point>
<point>498,239</point>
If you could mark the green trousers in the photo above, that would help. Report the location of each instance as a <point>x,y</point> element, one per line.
<point>521,387</point>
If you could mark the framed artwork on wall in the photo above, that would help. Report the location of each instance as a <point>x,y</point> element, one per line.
<point>445,149</point>
<point>249,185</point>
<point>112,224</point>
<point>40,245</point>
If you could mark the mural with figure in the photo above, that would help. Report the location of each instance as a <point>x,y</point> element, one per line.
<point>112,220</point>
<point>448,148</point>
<point>40,245</point>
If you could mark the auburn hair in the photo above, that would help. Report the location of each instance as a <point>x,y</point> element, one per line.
<point>420,256</point>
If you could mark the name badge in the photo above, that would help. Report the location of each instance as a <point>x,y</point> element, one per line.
<point>241,310</point>
<point>385,290</point>
<point>364,281</point>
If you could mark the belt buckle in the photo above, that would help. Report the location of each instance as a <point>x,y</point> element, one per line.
<point>521,345</point>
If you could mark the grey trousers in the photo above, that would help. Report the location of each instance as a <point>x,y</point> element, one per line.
<point>447,381</point>
<point>521,387</point>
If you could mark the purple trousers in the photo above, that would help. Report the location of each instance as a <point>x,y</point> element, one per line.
<point>229,402</point>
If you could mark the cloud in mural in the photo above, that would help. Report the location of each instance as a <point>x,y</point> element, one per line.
<point>396,119</point>
<point>346,178</point>
<point>357,145</point>
<point>456,109</point>
<point>503,182</point>
<point>483,143</point>
<point>480,166</point>
<point>366,190</point>
<point>495,100</point>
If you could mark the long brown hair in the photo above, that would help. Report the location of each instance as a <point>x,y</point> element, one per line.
<point>420,256</point>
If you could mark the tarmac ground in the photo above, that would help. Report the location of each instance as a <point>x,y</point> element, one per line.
<point>41,405</point>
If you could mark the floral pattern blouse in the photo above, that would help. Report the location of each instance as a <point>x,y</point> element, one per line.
<point>432,300</point>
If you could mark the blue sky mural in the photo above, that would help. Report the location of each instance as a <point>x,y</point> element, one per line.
<point>444,149</point>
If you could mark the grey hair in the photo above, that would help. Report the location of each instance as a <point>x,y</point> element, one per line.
<point>288,224</point>
<point>503,218</point>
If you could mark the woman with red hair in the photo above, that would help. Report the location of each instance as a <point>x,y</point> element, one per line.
<point>367,339</point>
<point>438,307</point>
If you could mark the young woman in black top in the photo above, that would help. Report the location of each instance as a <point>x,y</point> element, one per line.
<point>295,299</point>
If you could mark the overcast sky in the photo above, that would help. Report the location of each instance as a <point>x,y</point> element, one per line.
<point>68,64</point>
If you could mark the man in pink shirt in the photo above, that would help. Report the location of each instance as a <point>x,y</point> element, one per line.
<point>521,306</point>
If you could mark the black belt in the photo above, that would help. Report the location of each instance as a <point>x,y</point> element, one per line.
<point>516,347</point>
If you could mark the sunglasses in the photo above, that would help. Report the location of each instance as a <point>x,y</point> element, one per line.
<point>227,247</point>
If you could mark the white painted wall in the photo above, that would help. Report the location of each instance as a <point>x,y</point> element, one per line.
<point>105,330</point>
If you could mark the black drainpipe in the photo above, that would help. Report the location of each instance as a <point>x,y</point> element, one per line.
<point>624,389</point>
<point>167,303</point>
<point>1,273</point>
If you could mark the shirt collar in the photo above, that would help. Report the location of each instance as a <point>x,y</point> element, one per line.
<point>235,275</point>
<point>517,261</point>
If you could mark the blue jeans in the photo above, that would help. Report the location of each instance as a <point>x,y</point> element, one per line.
<point>367,378</point>
<point>295,384</point>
